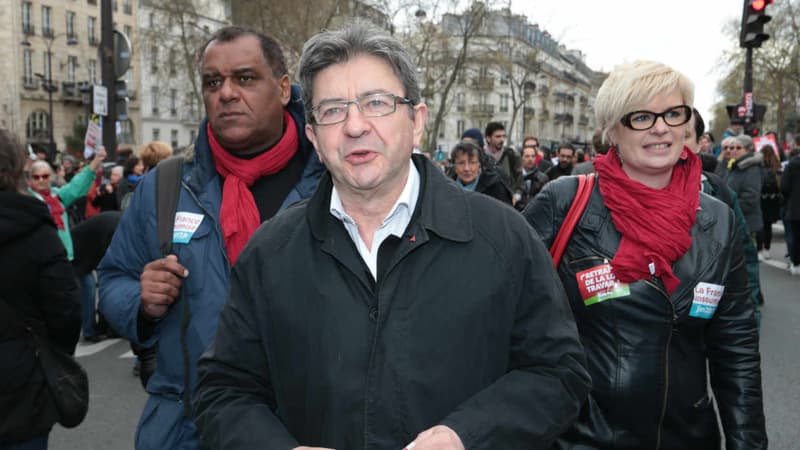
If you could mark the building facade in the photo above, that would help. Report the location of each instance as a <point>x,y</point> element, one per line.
<point>172,106</point>
<point>516,74</point>
<point>50,63</point>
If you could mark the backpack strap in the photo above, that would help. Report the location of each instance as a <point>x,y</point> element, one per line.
<point>585,186</point>
<point>168,188</point>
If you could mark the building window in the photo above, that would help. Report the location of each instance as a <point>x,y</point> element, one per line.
<point>36,127</point>
<point>152,20</point>
<point>27,25</point>
<point>503,102</point>
<point>192,136</point>
<point>47,28</point>
<point>92,30</point>
<point>172,59</point>
<point>460,101</point>
<point>126,7</point>
<point>192,105</point>
<point>154,100</point>
<point>128,31</point>
<point>71,26</point>
<point>27,66</point>
<point>460,128</point>
<point>156,134</point>
<point>72,66</point>
<point>91,68</point>
<point>173,102</point>
<point>153,59</point>
<point>46,65</point>
<point>173,134</point>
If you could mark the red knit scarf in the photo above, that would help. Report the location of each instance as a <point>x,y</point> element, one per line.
<point>54,205</point>
<point>239,213</point>
<point>655,223</point>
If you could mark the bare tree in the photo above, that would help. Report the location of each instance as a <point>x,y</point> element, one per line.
<point>441,52</point>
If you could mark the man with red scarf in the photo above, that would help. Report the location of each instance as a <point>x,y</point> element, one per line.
<point>251,159</point>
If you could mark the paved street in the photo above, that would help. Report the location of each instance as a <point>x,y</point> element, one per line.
<point>117,397</point>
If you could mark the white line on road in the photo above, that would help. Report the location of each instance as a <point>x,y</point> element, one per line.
<point>128,354</point>
<point>84,349</point>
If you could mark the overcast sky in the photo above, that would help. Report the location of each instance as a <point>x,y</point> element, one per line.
<point>684,34</point>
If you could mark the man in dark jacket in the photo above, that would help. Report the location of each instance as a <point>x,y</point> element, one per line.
<point>388,311</point>
<point>744,178</point>
<point>790,185</point>
<point>566,161</point>
<point>533,179</point>
<point>251,159</point>
<point>505,159</point>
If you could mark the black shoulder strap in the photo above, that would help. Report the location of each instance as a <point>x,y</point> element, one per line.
<point>168,188</point>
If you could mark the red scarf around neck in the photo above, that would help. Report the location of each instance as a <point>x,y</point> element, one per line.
<point>655,223</point>
<point>54,205</point>
<point>239,214</point>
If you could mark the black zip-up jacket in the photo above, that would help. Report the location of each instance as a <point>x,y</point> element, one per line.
<point>466,326</point>
<point>646,351</point>
<point>39,285</point>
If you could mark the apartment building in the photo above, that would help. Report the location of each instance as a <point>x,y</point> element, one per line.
<point>50,61</point>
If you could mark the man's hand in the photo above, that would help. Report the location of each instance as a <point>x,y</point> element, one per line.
<point>439,437</point>
<point>99,157</point>
<point>160,284</point>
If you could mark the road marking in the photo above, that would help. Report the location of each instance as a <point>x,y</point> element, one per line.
<point>84,349</point>
<point>776,264</point>
<point>128,354</point>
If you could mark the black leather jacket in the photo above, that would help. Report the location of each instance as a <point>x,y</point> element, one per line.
<point>646,352</point>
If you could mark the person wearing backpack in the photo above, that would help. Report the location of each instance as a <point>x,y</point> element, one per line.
<point>251,159</point>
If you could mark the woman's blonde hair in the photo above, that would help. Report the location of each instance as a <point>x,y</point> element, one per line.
<point>631,86</point>
<point>154,152</point>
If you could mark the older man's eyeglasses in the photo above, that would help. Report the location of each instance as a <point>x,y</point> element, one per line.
<point>644,120</point>
<point>331,112</point>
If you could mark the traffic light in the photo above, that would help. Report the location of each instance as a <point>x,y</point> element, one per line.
<point>753,19</point>
<point>121,98</point>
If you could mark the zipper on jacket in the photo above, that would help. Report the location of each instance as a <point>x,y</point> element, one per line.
<point>666,365</point>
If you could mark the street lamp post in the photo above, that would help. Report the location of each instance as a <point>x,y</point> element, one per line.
<point>49,87</point>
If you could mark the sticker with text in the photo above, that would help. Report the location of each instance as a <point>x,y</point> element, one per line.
<point>599,284</point>
<point>706,299</point>
<point>186,224</point>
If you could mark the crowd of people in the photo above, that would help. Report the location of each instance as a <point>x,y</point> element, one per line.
<point>327,287</point>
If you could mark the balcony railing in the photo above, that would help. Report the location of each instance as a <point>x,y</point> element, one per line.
<point>93,40</point>
<point>29,83</point>
<point>127,9</point>
<point>70,90</point>
<point>529,112</point>
<point>482,110</point>
<point>48,32</point>
<point>29,29</point>
<point>72,38</point>
<point>484,83</point>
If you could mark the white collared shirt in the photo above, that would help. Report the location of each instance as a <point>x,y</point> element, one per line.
<point>395,223</point>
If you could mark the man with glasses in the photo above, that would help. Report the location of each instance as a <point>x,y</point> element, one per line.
<point>388,310</point>
<point>251,159</point>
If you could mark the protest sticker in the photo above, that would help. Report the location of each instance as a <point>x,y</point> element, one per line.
<point>706,299</point>
<point>599,284</point>
<point>186,224</point>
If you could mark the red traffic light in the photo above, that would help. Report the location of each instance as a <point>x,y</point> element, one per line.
<point>759,5</point>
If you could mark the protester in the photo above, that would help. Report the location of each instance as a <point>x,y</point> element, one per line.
<point>505,159</point>
<point>469,174</point>
<point>533,179</point>
<point>154,152</point>
<point>771,198</point>
<point>58,200</point>
<point>39,286</point>
<point>250,160</point>
<point>790,187</point>
<point>655,276</point>
<point>386,346</point>
<point>566,161</point>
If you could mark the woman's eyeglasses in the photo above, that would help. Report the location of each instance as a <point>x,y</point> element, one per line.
<point>45,176</point>
<point>644,120</point>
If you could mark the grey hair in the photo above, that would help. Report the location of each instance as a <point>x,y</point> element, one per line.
<point>358,38</point>
<point>41,165</point>
<point>745,141</point>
